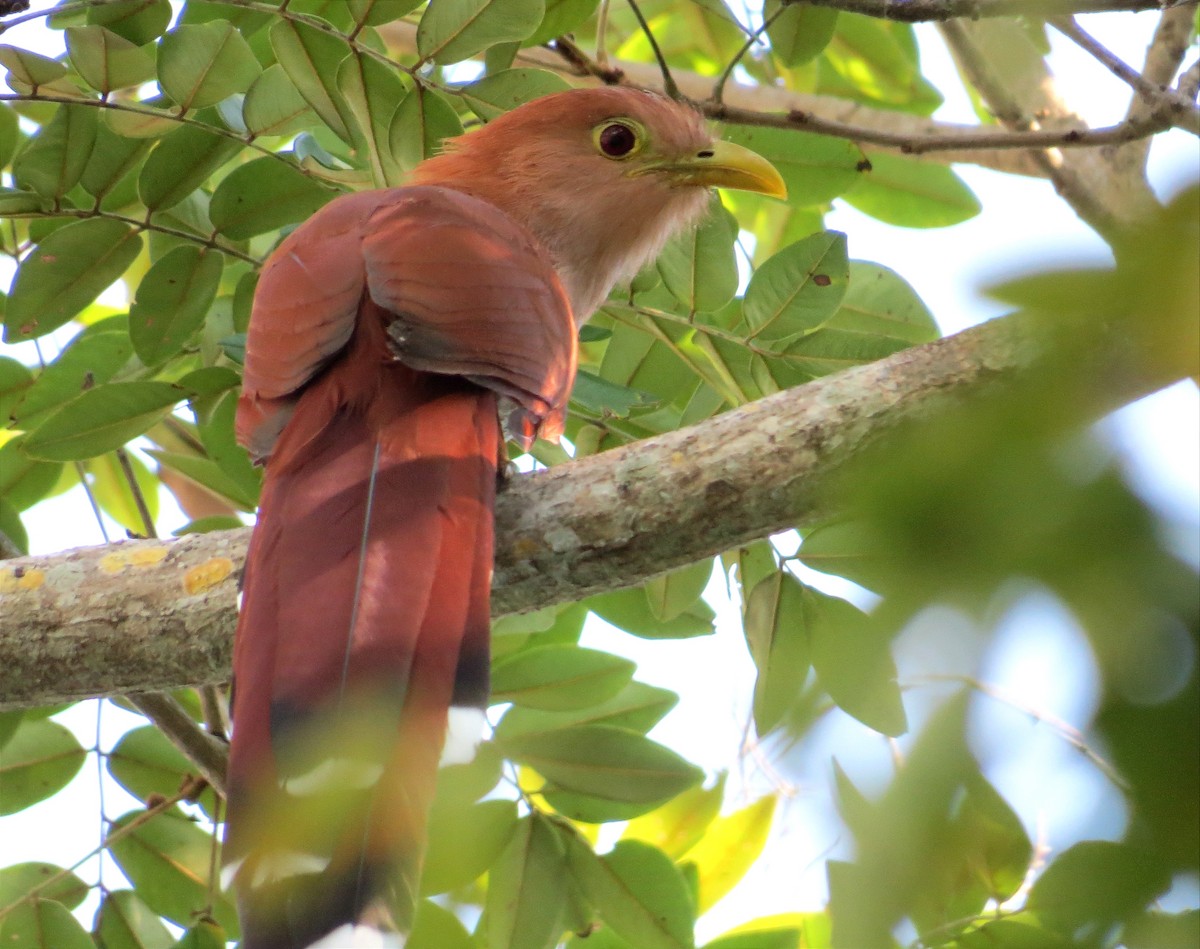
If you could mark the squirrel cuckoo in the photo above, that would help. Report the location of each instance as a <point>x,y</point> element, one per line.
<point>384,333</point>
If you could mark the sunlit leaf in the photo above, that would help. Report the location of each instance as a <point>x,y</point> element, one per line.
<point>729,848</point>
<point>679,824</point>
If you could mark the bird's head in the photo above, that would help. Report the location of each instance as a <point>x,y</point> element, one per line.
<point>603,177</point>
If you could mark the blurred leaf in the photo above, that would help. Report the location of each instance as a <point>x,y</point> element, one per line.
<point>138,21</point>
<point>1158,930</point>
<point>555,678</point>
<point>875,61</point>
<point>21,878</point>
<point>102,419</point>
<point>454,30</point>
<point>673,593</point>
<point>435,927</point>
<point>199,64</point>
<point>682,822</point>
<point>37,762</point>
<point>263,195</point>
<point>54,159</point>
<point>525,899</point>
<point>605,762</point>
<point>167,859</point>
<point>638,707</point>
<point>203,935</point>
<point>630,610</point>
<point>107,61</point>
<point>502,91</point>
<point>464,841</point>
<point>775,625</point>
<point>912,193</point>
<point>637,891</point>
<point>781,931</point>
<point>799,32</point>
<point>1094,884</point>
<point>125,922</point>
<point>43,924</point>
<point>11,528</point>
<point>172,300</point>
<point>816,168</point>
<point>797,290</point>
<point>729,848</point>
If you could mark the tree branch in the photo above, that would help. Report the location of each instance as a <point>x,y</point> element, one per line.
<point>154,615</point>
<point>919,11</point>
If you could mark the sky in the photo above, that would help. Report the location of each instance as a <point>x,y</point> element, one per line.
<point>1056,793</point>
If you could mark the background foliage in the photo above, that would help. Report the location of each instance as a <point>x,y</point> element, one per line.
<point>171,148</point>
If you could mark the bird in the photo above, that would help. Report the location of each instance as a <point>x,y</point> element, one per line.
<point>397,338</point>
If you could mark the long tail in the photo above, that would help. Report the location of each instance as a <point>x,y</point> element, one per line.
<point>364,622</point>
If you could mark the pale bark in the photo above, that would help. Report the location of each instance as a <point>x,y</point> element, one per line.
<point>155,615</point>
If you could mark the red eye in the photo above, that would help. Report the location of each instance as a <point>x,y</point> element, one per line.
<point>617,141</point>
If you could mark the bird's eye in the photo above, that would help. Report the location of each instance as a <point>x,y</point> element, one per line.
<point>617,140</point>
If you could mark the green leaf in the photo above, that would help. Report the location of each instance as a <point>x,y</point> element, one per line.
<point>562,17</point>
<point>637,891</point>
<point>15,380</point>
<point>10,133</point>
<point>503,91</point>
<point>816,168</point>
<point>527,891</point>
<point>781,931</point>
<point>375,12</point>
<point>601,397</point>
<point>172,300</point>
<point>273,105</point>
<point>53,161</point>
<point>11,527</point>
<point>423,120</point>
<point>1097,883</point>
<point>630,610</point>
<point>435,927</point>
<point>23,481</point>
<point>555,678</point>
<point>199,64</point>
<point>372,92</point>
<point>107,61</point>
<point>853,661</point>
<point>774,622</point>
<point>110,487</point>
<point>729,848</point>
<point>28,71</point>
<point>43,924</point>
<point>208,474</point>
<point>263,195</point>
<point>453,30</point>
<point>679,824</point>
<point>798,289</point>
<point>698,266</point>
<point>638,707</point>
<point>463,842</point>
<point>181,163</point>
<point>145,764</point>
<point>21,878</point>
<point>93,357</point>
<point>674,593</point>
<point>799,32</point>
<point>125,922</point>
<point>112,161</point>
<point>203,935</point>
<point>873,61</point>
<point>102,419</point>
<point>139,21</point>
<point>311,58</point>
<point>65,272</point>
<point>604,762</point>
<point>38,761</point>
<point>168,859</point>
<point>912,193</point>
<point>880,315</point>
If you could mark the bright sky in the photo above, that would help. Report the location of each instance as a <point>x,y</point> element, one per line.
<point>1056,793</point>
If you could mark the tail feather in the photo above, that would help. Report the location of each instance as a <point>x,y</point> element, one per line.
<point>378,523</point>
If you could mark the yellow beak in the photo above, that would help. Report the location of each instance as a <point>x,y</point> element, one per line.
<point>724,165</point>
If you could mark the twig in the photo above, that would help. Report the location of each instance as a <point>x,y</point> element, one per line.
<point>669,86</point>
<point>919,11</point>
<point>207,753</point>
<point>135,489</point>
<point>1183,113</point>
<point>751,38</point>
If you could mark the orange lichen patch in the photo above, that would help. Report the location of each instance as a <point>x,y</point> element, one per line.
<point>677,458</point>
<point>119,559</point>
<point>525,547</point>
<point>207,575</point>
<point>15,579</point>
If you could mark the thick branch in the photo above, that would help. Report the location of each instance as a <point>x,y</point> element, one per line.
<point>154,615</point>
